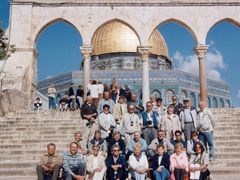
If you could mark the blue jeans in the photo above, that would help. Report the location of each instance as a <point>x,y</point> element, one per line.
<point>163,175</point>
<point>51,103</point>
<point>207,137</point>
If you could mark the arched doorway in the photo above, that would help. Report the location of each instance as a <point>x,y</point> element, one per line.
<point>58,45</point>
<point>169,94</point>
<point>214,102</point>
<point>193,100</point>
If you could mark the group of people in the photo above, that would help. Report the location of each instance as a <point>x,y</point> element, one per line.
<point>122,139</point>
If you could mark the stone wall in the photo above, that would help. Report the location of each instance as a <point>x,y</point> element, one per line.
<point>12,100</point>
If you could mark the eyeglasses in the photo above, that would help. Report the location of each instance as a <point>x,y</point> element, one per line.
<point>116,150</point>
<point>131,108</point>
<point>178,134</point>
<point>105,109</point>
<point>148,105</point>
<point>95,149</point>
<point>160,134</point>
<point>197,147</point>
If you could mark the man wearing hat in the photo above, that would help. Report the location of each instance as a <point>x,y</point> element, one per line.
<point>188,117</point>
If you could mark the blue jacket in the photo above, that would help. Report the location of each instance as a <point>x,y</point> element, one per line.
<point>154,117</point>
<point>121,171</point>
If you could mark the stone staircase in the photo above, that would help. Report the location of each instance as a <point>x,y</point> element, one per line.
<point>25,134</point>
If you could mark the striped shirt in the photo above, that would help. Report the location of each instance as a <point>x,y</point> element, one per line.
<point>71,162</point>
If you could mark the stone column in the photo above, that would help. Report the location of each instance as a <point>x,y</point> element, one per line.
<point>201,51</point>
<point>86,53</point>
<point>144,51</point>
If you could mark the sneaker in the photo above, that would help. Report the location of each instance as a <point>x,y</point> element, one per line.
<point>211,159</point>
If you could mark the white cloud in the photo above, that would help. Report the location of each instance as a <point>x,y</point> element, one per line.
<point>214,62</point>
<point>238,95</point>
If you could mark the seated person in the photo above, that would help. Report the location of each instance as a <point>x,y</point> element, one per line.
<point>99,141</point>
<point>106,122</point>
<point>199,163</point>
<point>116,165</point>
<point>78,140</point>
<point>49,165</point>
<point>138,163</point>
<point>96,167</point>
<point>73,104</point>
<point>118,141</point>
<point>63,103</point>
<point>37,104</point>
<point>178,139</point>
<point>192,142</point>
<point>74,166</point>
<point>169,148</point>
<point>161,163</point>
<point>136,140</point>
<point>179,163</point>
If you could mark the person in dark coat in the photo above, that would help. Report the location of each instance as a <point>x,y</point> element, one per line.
<point>161,163</point>
<point>116,140</point>
<point>116,165</point>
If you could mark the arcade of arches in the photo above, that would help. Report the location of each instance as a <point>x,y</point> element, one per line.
<point>140,23</point>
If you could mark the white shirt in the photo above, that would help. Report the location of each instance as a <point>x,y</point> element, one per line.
<point>100,88</point>
<point>187,114</point>
<point>105,121</point>
<point>131,123</point>
<point>94,90</point>
<point>159,160</point>
<point>142,163</point>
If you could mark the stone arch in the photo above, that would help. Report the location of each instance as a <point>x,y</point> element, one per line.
<point>221,103</point>
<point>181,23</point>
<point>193,99</point>
<point>51,22</point>
<point>184,94</point>
<point>209,102</point>
<point>156,93</point>
<point>116,20</point>
<point>228,104</point>
<point>230,20</point>
<point>169,94</point>
<point>214,102</point>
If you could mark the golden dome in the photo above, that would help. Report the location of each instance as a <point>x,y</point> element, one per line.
<point>116,36</point>
<point>159,46</point>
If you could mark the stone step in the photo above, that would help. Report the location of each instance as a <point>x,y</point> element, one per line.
<point>17,172</point>
<point>18,177</point>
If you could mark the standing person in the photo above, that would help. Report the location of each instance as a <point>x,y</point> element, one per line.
<point>96,167</point>
<point>161,163</point>
<point>106,122</point>
<point>119,110</point>
<point>113,89</point>
<point>177,106</point>
<point>171,123</point>
<point>51,97</point>
<point>138,163</point>
<point>179,165</point>
<point>106,100</point>
<point>199,163</point>
<point>74,165</point>
<point>131,124</point>
<point>137,103</point>
<point>128,93</point>
<point>49,165</point>
<point>150,123</point>
<point>116,164</point>
<point>153,100</point>
<point>188,117</point>
<point>89,115</point>
<point>207,124</point>
<point>94,92</point>
<point>100,91</point>
<point>160,109</point>
<point>80,94</point>
<point>71,94</point>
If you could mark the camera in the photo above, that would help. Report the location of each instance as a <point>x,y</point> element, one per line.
<point>131,123</point>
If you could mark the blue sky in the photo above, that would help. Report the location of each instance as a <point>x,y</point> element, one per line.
<point>59,52</point>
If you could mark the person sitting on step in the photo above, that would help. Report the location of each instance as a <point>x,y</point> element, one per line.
<point>74,165</point>
<point>49,165</point>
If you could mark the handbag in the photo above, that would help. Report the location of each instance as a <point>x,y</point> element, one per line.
<point>205,174</point>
